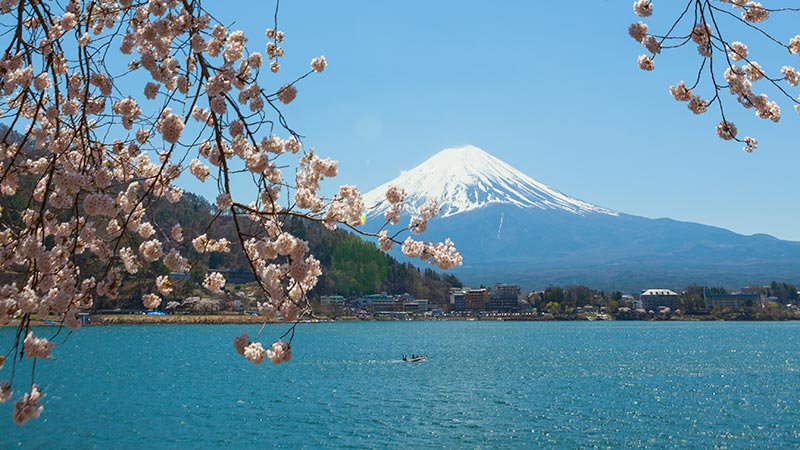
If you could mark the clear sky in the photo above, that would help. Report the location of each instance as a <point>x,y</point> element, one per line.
<point>552,88</point>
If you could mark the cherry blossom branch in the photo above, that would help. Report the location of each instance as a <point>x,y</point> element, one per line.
<point>740,79</point>
<point>106,102</point>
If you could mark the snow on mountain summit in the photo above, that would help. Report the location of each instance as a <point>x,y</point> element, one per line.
<point>466,178</point>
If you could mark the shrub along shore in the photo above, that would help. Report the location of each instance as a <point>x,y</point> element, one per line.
<point>135,319</point>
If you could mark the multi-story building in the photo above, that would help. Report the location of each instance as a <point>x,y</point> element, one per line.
<point>476,299</point>
<point>457,299</point>
<point>332,300</point>
<point>731,301</point>
<point>383,302</point>
<point>411,306</point>
<point>505,297</point>
<point>652,299</point>
<point>377,302</point>
<point>418,305</point>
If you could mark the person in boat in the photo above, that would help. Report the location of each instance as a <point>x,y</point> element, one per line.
<point>404,358</point>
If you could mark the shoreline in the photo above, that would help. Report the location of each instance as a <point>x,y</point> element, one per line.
<point>173,319</point>
<point>234,319</point>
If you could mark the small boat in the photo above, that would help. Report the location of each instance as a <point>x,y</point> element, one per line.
<point>415,358</point>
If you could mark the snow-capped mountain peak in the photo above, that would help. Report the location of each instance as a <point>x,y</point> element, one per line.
<point>462,179</point>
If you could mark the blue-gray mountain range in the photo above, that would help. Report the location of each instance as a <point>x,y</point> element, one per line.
<point>511,228</point>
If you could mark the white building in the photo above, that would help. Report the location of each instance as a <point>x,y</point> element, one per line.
<point>653,298</point>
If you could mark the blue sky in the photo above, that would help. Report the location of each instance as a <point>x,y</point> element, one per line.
<point>553,89</point>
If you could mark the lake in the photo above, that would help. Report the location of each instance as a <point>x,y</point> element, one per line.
<point>485,385</point>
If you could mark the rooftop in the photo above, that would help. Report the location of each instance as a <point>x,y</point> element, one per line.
<point>659,292</point>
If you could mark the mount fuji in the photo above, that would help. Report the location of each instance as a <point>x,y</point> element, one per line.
<point>467,178</point>
<point>511,228</point>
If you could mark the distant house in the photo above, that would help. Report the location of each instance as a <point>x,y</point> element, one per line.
<point>652,299</point>
<point>631,302</point>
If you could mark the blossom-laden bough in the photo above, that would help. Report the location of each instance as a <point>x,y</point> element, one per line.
<point>727,64</point>
<point>107,103</point>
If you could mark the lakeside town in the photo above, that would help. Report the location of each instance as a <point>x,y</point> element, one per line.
<point>777,301</point>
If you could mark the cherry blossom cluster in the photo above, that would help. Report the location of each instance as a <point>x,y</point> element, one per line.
<point>151,301</point>
<point>95,144</point>
<point>280,352</point>
<point>37,347</point>
<point>254,352</point>
<point>740,73</point>
<point>346,207</point>
<point>286,283</point>
<point>27,407</point>
<point>214,282</point>
<point>5,391</point>
<point>395,196</point>
<point>444,255</point>
<point>419,221</point>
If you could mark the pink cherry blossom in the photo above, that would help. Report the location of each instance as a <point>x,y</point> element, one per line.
<point>255,353</point>
<point>5,391</point>
<point>794,44</point>
<point>27,407</point>
<point>287,94</point>
<point>214,282</point>
<point>643,8</point>
<point>170,126</point>
<point>681,92</point>
<point>279,352</point>
<point>726,130</point>
<point>241,342</point>
<point>646,63</point>
<point>37,347</point>
<point>638,31</point>
<point>750,144</point>
<point>318,64</point>
<point>151,301</point>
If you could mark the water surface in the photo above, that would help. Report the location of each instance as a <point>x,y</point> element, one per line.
<point>485,385</point>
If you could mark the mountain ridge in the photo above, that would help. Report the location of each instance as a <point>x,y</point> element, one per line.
<point>570,241</point>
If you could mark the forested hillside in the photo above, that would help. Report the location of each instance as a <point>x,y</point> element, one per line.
<point>350,265</point>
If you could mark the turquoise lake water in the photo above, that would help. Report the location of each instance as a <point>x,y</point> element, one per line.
<point>485,385</point>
